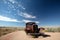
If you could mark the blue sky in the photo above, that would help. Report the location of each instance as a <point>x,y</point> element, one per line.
<point>18,12</point>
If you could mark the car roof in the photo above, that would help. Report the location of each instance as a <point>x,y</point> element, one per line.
<point>30,23</point>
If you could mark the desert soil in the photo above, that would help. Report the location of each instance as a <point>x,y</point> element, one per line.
<point>21,35</point>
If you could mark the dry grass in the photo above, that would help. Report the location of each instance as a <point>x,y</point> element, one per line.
<point>6,30</point>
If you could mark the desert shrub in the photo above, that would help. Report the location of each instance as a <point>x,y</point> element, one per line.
<point>6,30</point>
<point>53,29</point>
<point>58,29</point>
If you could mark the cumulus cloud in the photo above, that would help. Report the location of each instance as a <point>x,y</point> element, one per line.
<point>30,21</point>
<point>3,18</point>
<point>26,15</point>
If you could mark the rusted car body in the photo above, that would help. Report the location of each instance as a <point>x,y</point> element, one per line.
<point>32,29</point>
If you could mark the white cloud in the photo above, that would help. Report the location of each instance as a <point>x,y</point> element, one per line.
<point>29,21</point>
<point>26,21</point>
<point>12,1</point>
<point>18,4</point>
<point>14,4</point>
<point>37,21</point>
<point>23,8</point>
<point>2,18</point>
<point>26,15</point>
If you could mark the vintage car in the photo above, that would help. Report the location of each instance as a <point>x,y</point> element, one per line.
<point>32,29</point>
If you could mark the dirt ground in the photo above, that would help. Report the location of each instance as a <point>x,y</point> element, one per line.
<point>21,35</point>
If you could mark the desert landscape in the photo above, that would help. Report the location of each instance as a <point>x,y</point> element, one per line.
<point>29,19</point>
<point>21,35</point>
